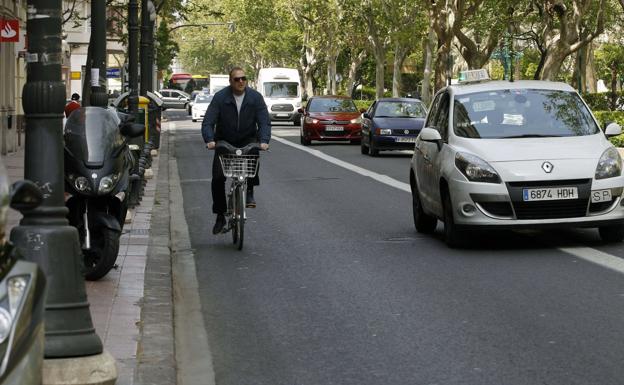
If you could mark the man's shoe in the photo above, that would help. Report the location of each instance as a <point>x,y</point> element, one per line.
<point>250,201</point>
<point>219,224</point>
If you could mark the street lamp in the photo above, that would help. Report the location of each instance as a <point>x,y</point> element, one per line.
<point>44,235</point>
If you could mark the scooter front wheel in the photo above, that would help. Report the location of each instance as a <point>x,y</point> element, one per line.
<point>102,255</point>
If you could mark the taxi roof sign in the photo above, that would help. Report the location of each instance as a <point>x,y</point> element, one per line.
<point>473,76</point>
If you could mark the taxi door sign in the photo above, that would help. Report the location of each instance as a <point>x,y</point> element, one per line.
<point>9,30</point>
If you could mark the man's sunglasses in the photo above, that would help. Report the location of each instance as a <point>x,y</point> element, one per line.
<point>240,79</point>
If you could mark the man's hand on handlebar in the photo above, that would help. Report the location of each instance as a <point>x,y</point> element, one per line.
<point>211,145</point>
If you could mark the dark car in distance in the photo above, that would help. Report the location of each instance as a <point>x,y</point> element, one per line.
<point>392,124</point>
<point>330,118</point>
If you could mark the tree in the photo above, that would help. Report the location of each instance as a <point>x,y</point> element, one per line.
<point>562,28</point>
<point>378,24</point>
<point>610,63</point>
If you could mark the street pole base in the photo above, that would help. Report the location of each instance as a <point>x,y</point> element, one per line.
<point>99,369</point>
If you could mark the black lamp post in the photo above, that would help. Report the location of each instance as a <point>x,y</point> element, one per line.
<point>44,235</point>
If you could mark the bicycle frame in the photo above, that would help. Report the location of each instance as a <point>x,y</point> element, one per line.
<point>238,165</point>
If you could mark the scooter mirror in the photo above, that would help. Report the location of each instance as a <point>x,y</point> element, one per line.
<point>25,195</point>
<point>132,130</point>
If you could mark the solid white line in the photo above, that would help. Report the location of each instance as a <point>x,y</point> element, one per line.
<point>586,253</point>
<point>596,256</point>
<point>351,167</point>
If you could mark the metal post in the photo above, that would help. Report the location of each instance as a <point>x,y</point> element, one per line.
<point>99,97</point>
<point>133,58</point>
<point>44,235</point>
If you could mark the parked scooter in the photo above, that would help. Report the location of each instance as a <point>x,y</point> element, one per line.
<point>97,167</point>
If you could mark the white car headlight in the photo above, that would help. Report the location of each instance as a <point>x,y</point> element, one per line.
<point>6,321</point>
<point>311,120</point>
<point>609,165</point>
<point>357,120</point>
<point>16,287</point>
<point>475,168</point>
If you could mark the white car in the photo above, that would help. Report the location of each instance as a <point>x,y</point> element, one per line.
<point>524,154</point>
<point>200,105</point>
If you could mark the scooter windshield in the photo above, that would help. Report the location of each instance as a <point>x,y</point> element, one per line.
<point>92,134</point>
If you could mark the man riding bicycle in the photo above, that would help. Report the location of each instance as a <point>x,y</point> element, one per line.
<point>239,116</point>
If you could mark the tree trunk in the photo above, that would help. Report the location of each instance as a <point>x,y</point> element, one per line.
<point>429,48</point>
<point>356,61</point>
<point>590,70</point>
<point>552,64</point>
<point>380,69</point>
<point>442,66</point>
<point>399,57</point>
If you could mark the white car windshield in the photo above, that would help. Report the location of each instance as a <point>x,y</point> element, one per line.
<point>281,90</point>
<point>521,113</point>
<point>203,99</point>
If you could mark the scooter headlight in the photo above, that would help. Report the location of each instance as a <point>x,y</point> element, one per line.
<point>108,183</point>
<point>81,184</point>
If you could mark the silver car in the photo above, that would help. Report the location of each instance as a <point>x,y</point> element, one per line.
<point>525,154</point>
<point>174,99</point>
<point>22,297</point>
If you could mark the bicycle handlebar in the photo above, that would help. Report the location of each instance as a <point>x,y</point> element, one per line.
<point>232,149</point>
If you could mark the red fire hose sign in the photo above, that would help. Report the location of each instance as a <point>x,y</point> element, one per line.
<point>9,31</point>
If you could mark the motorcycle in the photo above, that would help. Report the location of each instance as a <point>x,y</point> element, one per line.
<point>97,168</point>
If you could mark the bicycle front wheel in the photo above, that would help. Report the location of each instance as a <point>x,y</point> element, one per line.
<point>238,213</point>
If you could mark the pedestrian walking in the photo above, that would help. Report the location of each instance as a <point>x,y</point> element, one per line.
<point>73,104</point>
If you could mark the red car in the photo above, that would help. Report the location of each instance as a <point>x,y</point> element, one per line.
<point>330,118</point>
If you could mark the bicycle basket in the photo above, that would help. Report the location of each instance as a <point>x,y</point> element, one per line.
<point>236,166</point>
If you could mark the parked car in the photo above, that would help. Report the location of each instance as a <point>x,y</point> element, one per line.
<point>392,124</point>
<point>22,295</point>
<point>524,154</point>
<point>189,106</point>
<point>200,106</point>
<point>330,118</point>
<point>174,99</point>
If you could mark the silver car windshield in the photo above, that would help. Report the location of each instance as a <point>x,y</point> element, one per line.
<point>521,113</point>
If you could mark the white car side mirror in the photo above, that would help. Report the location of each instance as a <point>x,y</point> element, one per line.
<point>431,135</point>
<point>613,129</point>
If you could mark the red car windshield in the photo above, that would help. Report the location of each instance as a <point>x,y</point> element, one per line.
<point>331,105</point>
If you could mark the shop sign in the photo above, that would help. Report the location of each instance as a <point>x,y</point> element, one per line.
<point>9,30</point>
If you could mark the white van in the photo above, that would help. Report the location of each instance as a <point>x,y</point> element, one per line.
<point>218,82</point>
<point>281,89</point>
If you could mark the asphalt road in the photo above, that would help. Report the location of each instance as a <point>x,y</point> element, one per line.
<point>334,286</point>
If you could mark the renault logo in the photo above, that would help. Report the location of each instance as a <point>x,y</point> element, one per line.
<point>547,167</point>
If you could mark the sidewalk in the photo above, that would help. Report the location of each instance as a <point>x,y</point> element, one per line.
<point>131,307</point>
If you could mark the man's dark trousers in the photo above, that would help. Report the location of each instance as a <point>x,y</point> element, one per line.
<point>219,204</point>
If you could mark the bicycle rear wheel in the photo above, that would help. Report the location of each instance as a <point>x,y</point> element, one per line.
<point>238,213</point>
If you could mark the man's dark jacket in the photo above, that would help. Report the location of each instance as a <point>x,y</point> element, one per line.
<point>223,122</point>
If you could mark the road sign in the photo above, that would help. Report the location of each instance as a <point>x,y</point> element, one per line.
<point>113,73</point>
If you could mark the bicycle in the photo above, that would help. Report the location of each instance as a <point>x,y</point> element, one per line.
<point>238,164</point>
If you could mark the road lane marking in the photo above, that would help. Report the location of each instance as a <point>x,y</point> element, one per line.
<point>588,254</point>
<point>596,256</point>
<point>351,167</point>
